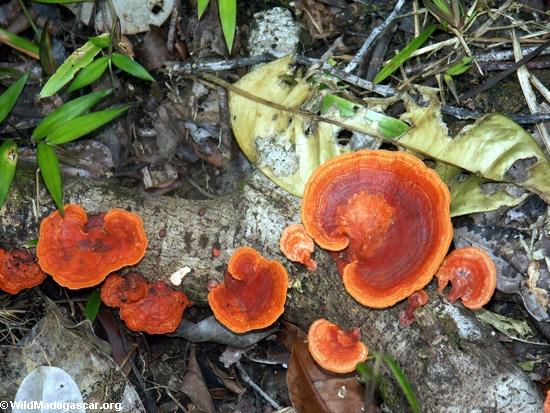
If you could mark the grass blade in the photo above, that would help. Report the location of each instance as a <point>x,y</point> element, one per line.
<point>79,59</point>
<point>92,305</point>
<point>19,43</point>
<point>68,111</point>
<point>201,7</point>
<point>10,96</point>
<point>46,56</point>
<point>129,65</point>
<point>10,73</point>
<point>51,173</point>
<point>403,383</point>
<point>83,125</point>
<point>228,19</point>
<point>89,74</point>
<point>8,162</point>
<point>404,54</point>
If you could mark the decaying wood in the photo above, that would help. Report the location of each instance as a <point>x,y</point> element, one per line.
<point>450,359</point>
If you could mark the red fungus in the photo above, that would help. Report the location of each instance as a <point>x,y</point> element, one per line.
<point>79,251</point>
<point>297,245</point>
<point>18,271</point>
<point>386,218</point>
<point>415,300</point>
<point>334,349</point>
<point>152,308</point>
<point>473,276</point>
<point>253,294</point>
<point>547,403</point>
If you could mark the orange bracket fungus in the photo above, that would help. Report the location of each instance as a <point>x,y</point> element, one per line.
<point>79,251</point>
<point>416,300</point>
<point>334,349</point>
<point>473,276</point>
<point>152,308</point>
<point>297,245</point>
<point>386,217</point>
<point>253,295</point>
<point>18,271</point>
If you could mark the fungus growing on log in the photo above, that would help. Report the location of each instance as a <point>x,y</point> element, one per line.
<point>253,295</point>
<point>18,271</point>
<point>79,251</point>
<point>334,349</point>
<point>152,308</point>
<point>547,403</point>
<point>297,245</point>
<point>415,300</point>
<point>473,277</point>
<point>386,218</point>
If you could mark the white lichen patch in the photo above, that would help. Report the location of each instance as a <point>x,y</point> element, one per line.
<point>177,277</point>
<point>465,327</point>
<point>511,395</point>
<point>274,31</point>
<point>281,159</point>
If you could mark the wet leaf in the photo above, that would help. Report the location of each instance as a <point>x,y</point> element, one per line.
<point>89,74</point>
<point>19,43</point>
<point>129,65</point>
<point>404,54</point>
<point>82,125</point>
<point>228,19</point>
<point>10,96</point>
<point>8,163</point>
<point>66,112</point>
<point>508,326</point>
<point>194,386</point>
<point>201,7</point>
<point>51,173</point>
<point>79,59</point>
<point>92,305</point>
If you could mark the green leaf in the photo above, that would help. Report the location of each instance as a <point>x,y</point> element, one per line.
<point>10,73</point>
<point>46,57</point>
<point>8,162</point>
<point>403,383</point>
<point>460,67</point>
<point>92,305</point>
<point>129,65</point>
<point>89,74</point>
<point>201,6</point>
<point>346,107</point>
<point>19,43</point>
<point>51,173</point>
<point>82,125</point>
<point>404,54</point>
<point>228,19</point>
<point>102,41</point>
<point>10,96</point>
<point>68,111</point>
<point>79,59</point>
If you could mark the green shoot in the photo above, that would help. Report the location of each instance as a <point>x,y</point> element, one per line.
<point>89,74</point>
<point>201,7</point>
<point>10,96</point>
<point>228,19</point>
<point>8,162</point>
<point>130,66</point>
<point>92,305</point>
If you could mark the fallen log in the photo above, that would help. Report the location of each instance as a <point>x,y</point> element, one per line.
<point>453,362</point>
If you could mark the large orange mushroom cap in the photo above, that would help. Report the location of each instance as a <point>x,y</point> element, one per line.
<point>253,295</point>
<point>297,245</point>
<point>79,251</point>
<point>547,403</point>
<point>18,271</point>
<point>473,276</point>
<point>334,349</point>
<point>388,216</point>
<point>152,308</point>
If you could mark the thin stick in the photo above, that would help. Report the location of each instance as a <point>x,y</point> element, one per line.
<point>248,380</point>
<point>372,37</point>
<point>188,68</point>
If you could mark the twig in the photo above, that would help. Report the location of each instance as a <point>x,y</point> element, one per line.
<point>497,78</point>
<point>171,38</point>
<point>503,55</point>
<point>188,68</point>
<point>248,380</point>
<point>461,113</point>
<point>372,37</point>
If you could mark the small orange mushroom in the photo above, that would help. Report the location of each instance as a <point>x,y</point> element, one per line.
<point>547,403</point>
<point>253,295</point>
<point>473,276</point>
<point>386,218</point>
<point>334,349</point>
<point>79,251</point>
<point>18,271</point>
<point>152,308</point>
<point>297,246</point>
<point>415,300</point>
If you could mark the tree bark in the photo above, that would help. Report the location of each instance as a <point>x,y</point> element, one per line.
<point>452,361</point>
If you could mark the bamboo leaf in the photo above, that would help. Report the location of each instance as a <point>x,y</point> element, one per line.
<point>51,173</point>
<point>403,383</point>
<point>83,125</point>
<point>10,96</point>
<point>19,43</point>
<point>68,111</point>
<point>129,65</point>
<point>46,56</point>
<point>201,7</point>
<point>89,74</point>
<point>8,162</point>
<point>404,54</point>
<point>228,19</point>
<point>79,59</point>
<point>92,305</point>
